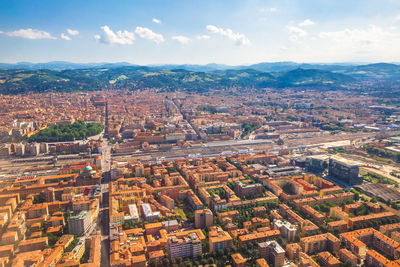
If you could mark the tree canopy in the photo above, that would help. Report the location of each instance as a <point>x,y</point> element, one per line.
<point>67,132</point>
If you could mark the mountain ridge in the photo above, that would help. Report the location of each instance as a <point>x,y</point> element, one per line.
<point>178,77</point>
<point>262,66</point>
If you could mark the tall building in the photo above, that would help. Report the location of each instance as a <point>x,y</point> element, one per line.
<point>344,170</point>
<point>187,245</point>
<point>79,225</point>
<point>203,218</point>
<point>272,252</point>
<point>317,163</point>
<point>288,231</point>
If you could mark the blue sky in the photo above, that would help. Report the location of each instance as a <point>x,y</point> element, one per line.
<point>199,32</point>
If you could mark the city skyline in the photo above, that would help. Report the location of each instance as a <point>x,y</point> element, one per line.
<point>233,33</point>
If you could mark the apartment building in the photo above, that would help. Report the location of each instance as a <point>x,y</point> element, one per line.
<point>346,256</point>
<point>318,243</point>
<point>293,250</point>
<point>272,252</point>
<point>203,218</point>
<point>184,245</point>
<point>359,220</point>
<point>258,237</point>
<point>149,215</point>
<point>218,239</point>
<point>244,190</point>
<point>328,260</point>
<point>288,231</point>
<point>313,213</point>
<point>238,260</point>
<point>38,210</point>
<point>79,224</point>
<point>33,244</point>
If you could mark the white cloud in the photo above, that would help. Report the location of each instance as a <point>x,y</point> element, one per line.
<point>372,40</point>
<point>65,37</point>
<point>31,34</point>
<point>157,21</point>
<point>306,22</point>
<point>240,39</point>
<point>296,33</point>
<point>202,37</point>
<point>120,37</point>
<point>72,32</point>
<point>181,39</point>
<point>271,9</point>
<point>148,34</point>
<point>397,18</point>
<point>1,32</point>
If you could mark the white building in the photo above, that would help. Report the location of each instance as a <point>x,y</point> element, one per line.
<point>149,215</point>
<point>288,231</point>
<point>133,213</point>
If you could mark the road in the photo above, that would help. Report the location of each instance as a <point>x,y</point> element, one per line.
<point>104,207</point>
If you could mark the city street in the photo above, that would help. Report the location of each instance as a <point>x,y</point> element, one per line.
<point>104,207</point>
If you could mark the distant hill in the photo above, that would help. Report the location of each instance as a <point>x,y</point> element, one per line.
<point>15,81</point>
<point>23,81</point>
<point>376,70</point>
<point>379,71</point>
<point>193,67</point>
<point>264,66</point>
<point>69,77</point>
<point>60,65</point>
<point>274,66</point>
<point>313,77</point>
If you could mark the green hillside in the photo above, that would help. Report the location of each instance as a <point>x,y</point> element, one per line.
<point>140,77</point>
<point>313,76</point>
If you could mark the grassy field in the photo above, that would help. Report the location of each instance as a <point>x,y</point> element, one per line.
<point>181,213</point>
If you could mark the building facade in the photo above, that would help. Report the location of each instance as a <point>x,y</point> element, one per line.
<point>203,218</point>
<point>79,225</point>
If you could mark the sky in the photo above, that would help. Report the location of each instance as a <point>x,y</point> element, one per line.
<point>233,32</point>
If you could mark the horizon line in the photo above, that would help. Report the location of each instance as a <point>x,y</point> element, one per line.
<point>201,64</point>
